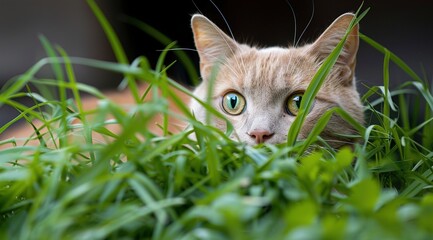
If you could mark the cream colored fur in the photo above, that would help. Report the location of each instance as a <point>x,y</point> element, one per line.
<point>266,77</point>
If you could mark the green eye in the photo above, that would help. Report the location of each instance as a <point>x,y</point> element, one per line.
<point>293,104</point>
<point>233,103</point>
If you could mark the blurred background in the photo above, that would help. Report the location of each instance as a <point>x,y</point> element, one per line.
<point>403,27</point>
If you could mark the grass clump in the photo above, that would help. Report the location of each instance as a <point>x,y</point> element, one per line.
<point>134,184</point>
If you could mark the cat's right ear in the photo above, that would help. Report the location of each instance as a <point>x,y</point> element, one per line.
<point>212,44</point>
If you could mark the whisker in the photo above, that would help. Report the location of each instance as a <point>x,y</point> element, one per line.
<point>223,63</point>
<point>198,9</point>
<point>231,33</point>
<point>232,69</point>
<point>241,66</point>
<point>308,24</point>
<point>225,20</point>
<point>294,19</point>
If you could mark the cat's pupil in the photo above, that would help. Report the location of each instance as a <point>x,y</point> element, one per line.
<point>233,101</point>
<point>298,100</point>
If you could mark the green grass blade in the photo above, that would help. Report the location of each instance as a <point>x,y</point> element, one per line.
<point>163,39</point>
<point>118,50</point>
<point>394,58</point>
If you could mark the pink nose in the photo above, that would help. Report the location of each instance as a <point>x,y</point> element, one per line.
<point>261,136</point>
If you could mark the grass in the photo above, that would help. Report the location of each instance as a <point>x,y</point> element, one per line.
<point>138,185</point>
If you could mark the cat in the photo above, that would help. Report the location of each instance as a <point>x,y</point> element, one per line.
<point>259,90</point>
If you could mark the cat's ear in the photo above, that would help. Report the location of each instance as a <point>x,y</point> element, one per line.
<point>212,44</point>
<point>329,39</point>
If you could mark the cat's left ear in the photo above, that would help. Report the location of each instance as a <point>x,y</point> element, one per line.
<point>213,45</point>
<point>329,39</point>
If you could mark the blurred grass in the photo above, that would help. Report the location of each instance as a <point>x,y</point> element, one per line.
<point>138,185</point>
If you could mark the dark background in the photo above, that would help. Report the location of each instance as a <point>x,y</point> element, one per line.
<point>404,27</point>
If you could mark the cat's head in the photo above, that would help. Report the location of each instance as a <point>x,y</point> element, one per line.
<point>259,89</point>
